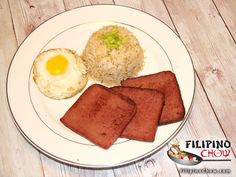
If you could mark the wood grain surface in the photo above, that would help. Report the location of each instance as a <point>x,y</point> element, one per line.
<point>207,28</point>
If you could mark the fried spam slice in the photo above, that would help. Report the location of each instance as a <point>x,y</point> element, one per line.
<point>100,115</point>
<point>149,103</point>
<point>165,82</point>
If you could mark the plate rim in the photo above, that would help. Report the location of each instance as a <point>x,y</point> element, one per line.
<point>124,163</point>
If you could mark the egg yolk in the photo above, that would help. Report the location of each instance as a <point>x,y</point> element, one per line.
<point>57,65</point>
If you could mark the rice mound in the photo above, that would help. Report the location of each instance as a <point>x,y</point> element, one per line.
<point>110,64</point>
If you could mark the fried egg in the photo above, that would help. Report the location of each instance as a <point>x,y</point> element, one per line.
<point>59,73</point>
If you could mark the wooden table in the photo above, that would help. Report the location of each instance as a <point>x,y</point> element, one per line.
<point>207,28</point>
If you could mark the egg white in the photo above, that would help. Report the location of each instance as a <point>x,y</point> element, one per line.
<point>61,86</point>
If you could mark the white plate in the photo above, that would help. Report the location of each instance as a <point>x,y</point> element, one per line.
<point>37,117</point>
